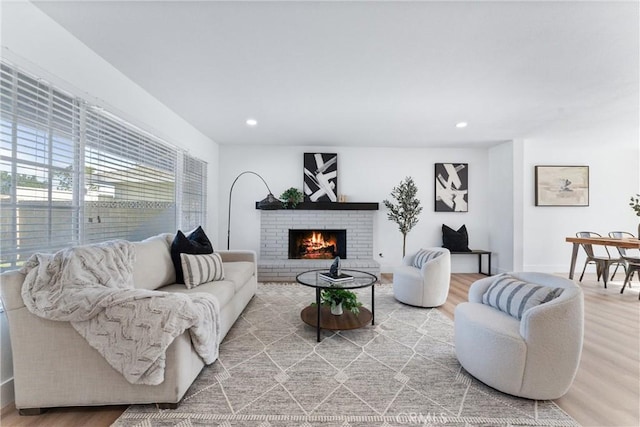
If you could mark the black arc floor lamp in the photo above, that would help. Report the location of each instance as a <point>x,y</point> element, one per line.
<point>269,202</point>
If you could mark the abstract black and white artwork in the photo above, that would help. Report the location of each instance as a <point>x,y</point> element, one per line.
<point>320,177</point>
<point>452,180</point>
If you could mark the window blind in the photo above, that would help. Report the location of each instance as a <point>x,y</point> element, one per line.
<point>72,173</point>
<point>37,163</point>
<point>129,180</point>
<point>194,198</point>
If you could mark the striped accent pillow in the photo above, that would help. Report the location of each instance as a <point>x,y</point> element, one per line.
<point>199,269</point>
<point>423,256</point>
<point>514,296</point>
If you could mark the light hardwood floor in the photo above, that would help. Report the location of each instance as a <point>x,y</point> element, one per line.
<point>606,391</point>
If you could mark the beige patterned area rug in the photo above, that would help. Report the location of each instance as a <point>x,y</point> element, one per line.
<point>402,371</point>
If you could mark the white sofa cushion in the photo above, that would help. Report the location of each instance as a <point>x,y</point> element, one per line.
<point>199,269</point>
<point>238,272</point>
<point>223,290</point>
<point>152,267</point>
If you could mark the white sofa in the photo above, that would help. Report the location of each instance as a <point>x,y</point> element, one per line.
<point>427,286</point>
<point>536,357</point>
<point>54,366</point>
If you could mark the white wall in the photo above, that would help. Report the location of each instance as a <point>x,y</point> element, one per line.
<point>35,43</point>
<point>502,213</point>
<point>364,175</point>
<point>501,196</point>
<point>613,156</point>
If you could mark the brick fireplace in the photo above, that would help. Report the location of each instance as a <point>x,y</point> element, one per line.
<point>275,263</point>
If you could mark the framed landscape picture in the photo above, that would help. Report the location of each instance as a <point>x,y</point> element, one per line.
<point>451,181</point>
<point>320,177</point>
<point>562,185</point>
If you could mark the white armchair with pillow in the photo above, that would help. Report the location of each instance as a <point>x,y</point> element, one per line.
<point>522,333</point>
<point>423,278</point>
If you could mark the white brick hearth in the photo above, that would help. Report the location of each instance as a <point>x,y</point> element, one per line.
<point>273,263</point>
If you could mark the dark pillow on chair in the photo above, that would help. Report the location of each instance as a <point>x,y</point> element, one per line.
<point>455,241</point>
<point>197,243</point>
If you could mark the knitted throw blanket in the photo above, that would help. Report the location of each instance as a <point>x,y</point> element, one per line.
<point>92,287</point>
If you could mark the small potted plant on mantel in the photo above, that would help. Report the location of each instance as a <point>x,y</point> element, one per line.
<point>291,197</point>
<point>339,300</point>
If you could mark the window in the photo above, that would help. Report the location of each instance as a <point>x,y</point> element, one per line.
<point>194,198</point>
<point>72,173</point>
<point>129,181</point>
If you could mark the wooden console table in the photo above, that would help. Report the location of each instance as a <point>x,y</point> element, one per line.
<point>478,252</point>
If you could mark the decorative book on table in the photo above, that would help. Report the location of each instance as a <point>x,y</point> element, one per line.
<point>335,278</point>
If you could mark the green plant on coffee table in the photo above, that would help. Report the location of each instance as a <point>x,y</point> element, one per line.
<point>336,296</point>
<point>291,197</point>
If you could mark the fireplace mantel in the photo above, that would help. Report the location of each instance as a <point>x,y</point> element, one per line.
<point>333,206</point>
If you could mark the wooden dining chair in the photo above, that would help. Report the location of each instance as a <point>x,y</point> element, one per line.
<point>602,261</point>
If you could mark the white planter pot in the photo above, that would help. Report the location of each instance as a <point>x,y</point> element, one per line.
<point>336,309</point>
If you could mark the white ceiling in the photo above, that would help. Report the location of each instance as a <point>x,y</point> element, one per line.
<point>371,73</point>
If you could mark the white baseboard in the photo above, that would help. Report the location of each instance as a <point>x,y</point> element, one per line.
<point>7,395</point>
<point>551,269</point>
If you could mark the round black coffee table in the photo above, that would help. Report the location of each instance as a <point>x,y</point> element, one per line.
<point>321,317</point>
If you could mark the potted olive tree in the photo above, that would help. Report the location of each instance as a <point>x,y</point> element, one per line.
<point>406,209</point>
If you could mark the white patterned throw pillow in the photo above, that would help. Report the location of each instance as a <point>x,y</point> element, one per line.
<point>423,256</point>
<point>514,296</point>
<point>199,269</point>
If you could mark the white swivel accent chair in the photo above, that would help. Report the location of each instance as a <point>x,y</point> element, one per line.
<point>427,286</point>
<point>535,357</point>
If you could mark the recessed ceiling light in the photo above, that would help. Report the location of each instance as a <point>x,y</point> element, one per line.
<point>251,122</point>
<point>461,125</point>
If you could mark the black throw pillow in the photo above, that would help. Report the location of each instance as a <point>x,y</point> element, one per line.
<point>196,243</point>
<point>455,241</point>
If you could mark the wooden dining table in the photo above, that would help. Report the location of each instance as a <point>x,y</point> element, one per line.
<point>626,243</point>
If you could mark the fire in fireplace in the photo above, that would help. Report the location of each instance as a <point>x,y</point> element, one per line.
<point>317,244</point>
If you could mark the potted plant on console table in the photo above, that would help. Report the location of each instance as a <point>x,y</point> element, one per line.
<point>340,299</point>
